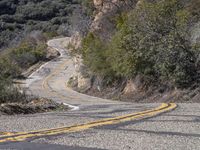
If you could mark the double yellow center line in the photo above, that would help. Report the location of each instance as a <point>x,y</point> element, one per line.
<point>21,136</point>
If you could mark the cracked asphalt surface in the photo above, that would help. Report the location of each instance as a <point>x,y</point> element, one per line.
<point>175,130</point>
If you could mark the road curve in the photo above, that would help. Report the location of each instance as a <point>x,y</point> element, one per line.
<point>52,77</point>
<point>178,129</point>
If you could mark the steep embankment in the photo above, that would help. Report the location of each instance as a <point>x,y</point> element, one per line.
<point>109,17</point>
<point>104,26</point>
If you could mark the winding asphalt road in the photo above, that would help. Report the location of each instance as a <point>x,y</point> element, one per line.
<point>178,129</point>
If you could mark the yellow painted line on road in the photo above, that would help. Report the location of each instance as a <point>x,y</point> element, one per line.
<point>75,128</point>
<point>21,136</point>
<point>46,86</point>
<point>5,133</point>
<point>45,82</point>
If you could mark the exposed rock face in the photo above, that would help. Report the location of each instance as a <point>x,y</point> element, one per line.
<point>134,85</point>
<point>130,87</point>
<point>106,11</point>
<point>51,53</point>
<point>103,26</point>
<point>136,90</point>
<point>83,77</point>
<point>75,40</point>
<point>84,83</point>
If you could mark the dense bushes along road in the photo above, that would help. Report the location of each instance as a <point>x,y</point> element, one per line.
<point>16,60</point>
<point>152,41</point>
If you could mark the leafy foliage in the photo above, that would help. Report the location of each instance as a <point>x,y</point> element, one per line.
<point>94,54</point>
<point>193,8</point>
<point>29,52</point>
<point>154,42</point>
<point>9,93</point>
<point>89,6</point>
<point>19,17</point>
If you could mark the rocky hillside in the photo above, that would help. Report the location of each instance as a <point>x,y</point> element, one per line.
<point>164,66</point>
<point>106,12</point>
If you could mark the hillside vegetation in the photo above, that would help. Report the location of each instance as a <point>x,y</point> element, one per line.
<point>16,60</point>
<point>152,41</point>
<point>20,17</point>
<point>25,27</point>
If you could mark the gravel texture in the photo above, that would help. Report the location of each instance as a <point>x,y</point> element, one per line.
<point>177,130</point>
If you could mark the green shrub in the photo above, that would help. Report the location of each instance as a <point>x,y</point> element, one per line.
<point>94,55</point>
<point>89,6</point>
<point>8,69</point>
<point>153,41</point>
<point>9,93</point>
<point>28,53</point>
<point>121,19</point>
<point>50,35</point>
<point>20,17</point>
<point>157,43</point>
<point>16,60</point>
